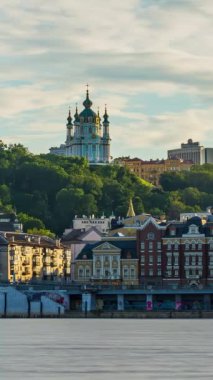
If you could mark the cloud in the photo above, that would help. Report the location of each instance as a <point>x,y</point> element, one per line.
<point>126,50</point>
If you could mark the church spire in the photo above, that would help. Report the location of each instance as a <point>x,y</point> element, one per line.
<point>69,119</point>
<point>87,102</point>
<point>106,116</point>
<point>130,211</point>
<point>76,112</point>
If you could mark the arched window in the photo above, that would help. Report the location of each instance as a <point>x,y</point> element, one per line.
<point>126,272</point>
<point>80,272</point>
<point>132,271</point>
<point>87,272</point>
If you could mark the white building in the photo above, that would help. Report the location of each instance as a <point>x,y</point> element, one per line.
<point>103,224</point>
<point>87,136</point>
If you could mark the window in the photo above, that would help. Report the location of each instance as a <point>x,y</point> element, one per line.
<point>150,245</point>
<point>126,272</point>
<point>115,273</point>
<point>187,273</point>
<point>176,261</point>
<point>193,229</point>
<point>142,246</point>
<point>169,260</point>
<point>172,232</point>
<point>98,273</point>
<point>169,273</point>
<point>142,272</point>
<point>176,272</point>
<point>142,259</point>
<point>150,272</point>
<point>150,259</point>
<point>80,272</point>
<point>199,246</point>
<point>193,246</point>
<point>186,246</point>
<point>150,236</point>
<point>176,246</point>
<point>169,246</point>
<point>193,260</point>
<point>159,259</point>
<point>187,260</point>
<point>158,245</point>
<point>106,273</point>
<point>87,272</point>
<point>159,272</point>
<point>132,272</point>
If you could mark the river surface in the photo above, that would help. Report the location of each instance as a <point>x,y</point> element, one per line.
<point>100,349</point>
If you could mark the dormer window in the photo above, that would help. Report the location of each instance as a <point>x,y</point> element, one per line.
<point>172,231</point>
<point>193,229</point>
<point>150,236</point>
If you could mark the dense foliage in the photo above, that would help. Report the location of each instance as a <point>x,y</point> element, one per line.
<point>47,191</point>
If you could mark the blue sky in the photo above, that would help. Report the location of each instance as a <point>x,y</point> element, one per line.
<point>150,61</point>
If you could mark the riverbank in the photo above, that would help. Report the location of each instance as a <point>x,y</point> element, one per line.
<point>141,314</point>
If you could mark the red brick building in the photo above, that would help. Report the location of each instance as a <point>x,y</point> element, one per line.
<point>176,253</point>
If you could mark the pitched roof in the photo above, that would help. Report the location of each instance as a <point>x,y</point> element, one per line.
<point>126,246</point>
<point>78,234</point>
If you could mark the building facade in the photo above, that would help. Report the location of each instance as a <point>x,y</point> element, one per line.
<point>87,137</point>
<point>192,151</point>
<point>177,253</point>
<point>151,170</point>
<point>26,257</point>
<point>113,261</point>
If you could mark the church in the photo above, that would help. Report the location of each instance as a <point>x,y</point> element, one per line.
<point>86,136</point>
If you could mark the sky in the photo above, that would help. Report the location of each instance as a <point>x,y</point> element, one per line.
<point>150,61</point>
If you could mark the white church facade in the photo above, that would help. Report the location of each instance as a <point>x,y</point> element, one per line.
<point>87,136</point>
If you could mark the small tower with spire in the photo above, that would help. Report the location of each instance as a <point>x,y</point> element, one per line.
<point>69,128</point>
<point>130,211</point>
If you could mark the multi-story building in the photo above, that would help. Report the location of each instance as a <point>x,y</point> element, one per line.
<point>10,222</point>
<point>177,253</point>
<point>151,170</point>
<point>113,261</point>
<point>102,223</point>
<point>192,151</point>
<point>26,257</point>
<point>87,137</point>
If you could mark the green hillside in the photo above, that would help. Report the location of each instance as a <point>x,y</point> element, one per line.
<point>47,191</point>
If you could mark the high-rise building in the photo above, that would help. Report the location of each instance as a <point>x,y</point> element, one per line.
<point>86,136</point>
<point>192,151</point>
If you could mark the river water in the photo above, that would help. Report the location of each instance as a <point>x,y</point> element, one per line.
<point>100,349</point>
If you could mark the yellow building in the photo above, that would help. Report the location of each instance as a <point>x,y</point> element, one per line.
<point>151,170</point>
<point>112,261</point>
<point>26,257</point>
